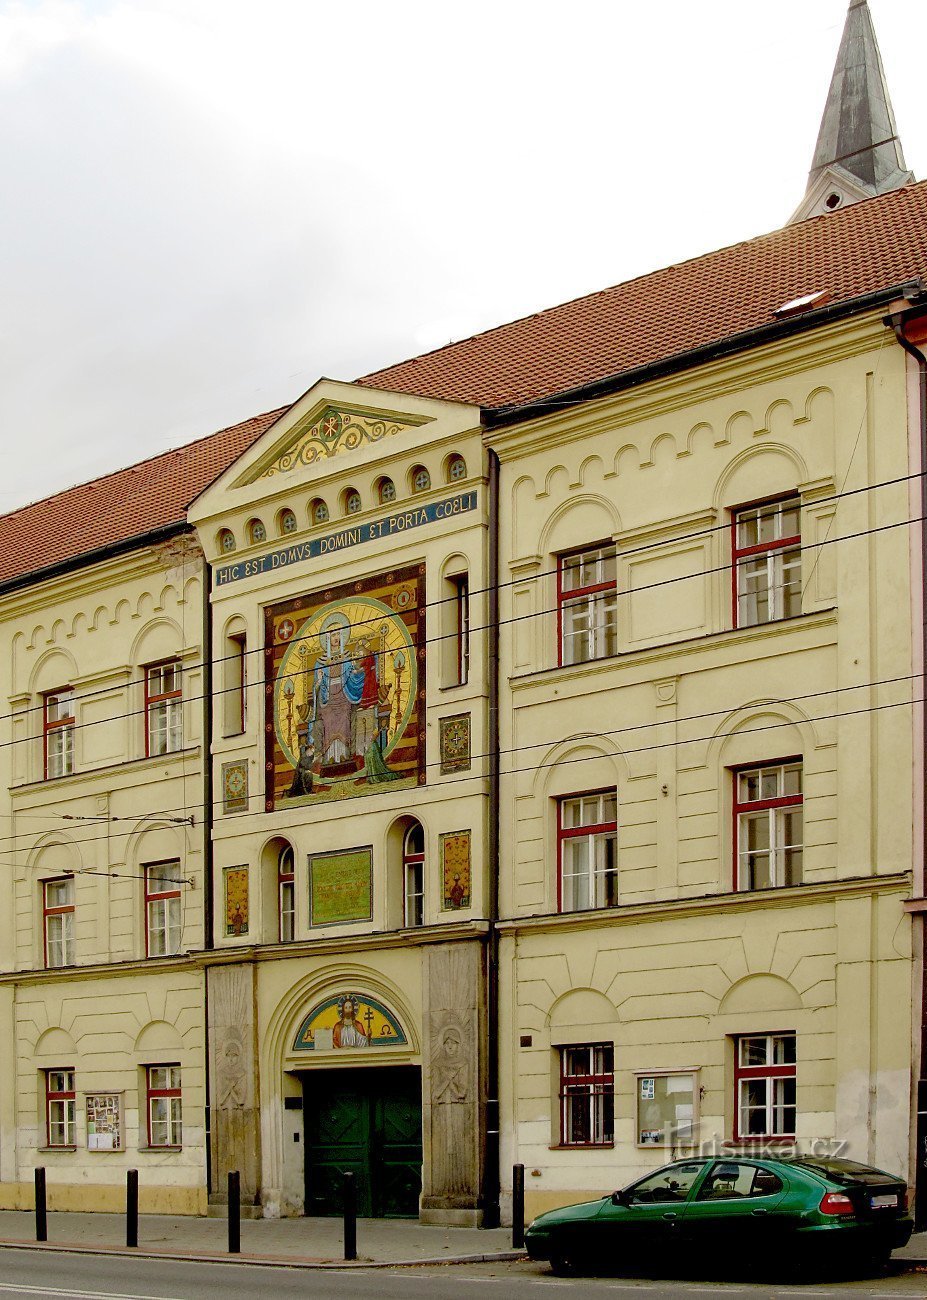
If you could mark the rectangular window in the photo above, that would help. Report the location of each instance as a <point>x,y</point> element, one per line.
<point>286,895</point>
<point>162,909</point>
<point>163,709</point>
<point>587,601</point>
<point>587,1095</point>
<point>462,626</point>
<point>58,921</point>
<point>59,733</point>
<point>767,562</point>
<point>414,896</point>
<point>59,1108</point>
<point>764,1075</point>
<point>768,821</point>
<point>163,1086</point>
<point>587,843</point>
<point>234,703</point>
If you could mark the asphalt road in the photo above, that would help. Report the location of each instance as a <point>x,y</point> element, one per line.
<point>34,1275</point>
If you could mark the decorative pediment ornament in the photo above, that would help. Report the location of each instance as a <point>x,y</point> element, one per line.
<point>331,432</point>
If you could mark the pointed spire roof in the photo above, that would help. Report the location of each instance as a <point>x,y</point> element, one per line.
<point>858,153</point>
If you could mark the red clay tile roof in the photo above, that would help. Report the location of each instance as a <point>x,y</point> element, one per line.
<point>129,503</point>
<point>870,246</point>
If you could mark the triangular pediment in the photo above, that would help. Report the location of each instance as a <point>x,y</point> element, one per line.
<point>329,429</point>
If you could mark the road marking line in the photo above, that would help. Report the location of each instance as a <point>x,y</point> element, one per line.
<point>71,1294</point>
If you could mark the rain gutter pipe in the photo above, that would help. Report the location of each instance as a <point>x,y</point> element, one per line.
<point>898,321</point>
<point>491,1175</point>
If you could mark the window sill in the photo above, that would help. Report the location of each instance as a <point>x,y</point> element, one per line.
<point>659,650</point>
<point>147,1151</point>
<point>45,1151</point>
<point>581,1146</point>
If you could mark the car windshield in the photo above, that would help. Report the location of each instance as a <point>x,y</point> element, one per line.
<point>844,1172</point>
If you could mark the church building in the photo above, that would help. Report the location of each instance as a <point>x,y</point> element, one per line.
<point>513,756</point>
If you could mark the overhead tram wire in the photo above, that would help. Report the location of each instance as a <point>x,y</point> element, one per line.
<point>512,582</point>
<point>420,642</point>
<point>592,736</point>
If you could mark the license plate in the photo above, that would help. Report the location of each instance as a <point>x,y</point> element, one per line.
<point>884,1202</point>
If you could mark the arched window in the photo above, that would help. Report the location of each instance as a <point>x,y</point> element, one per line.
<point>286,521</point>
<point>318,511</point>
<point>352,501</point>
<point>286,894</point>
<point>421,479</point>
<point>256,531</point>
<point>226,540</point>
<point>413,875</point>
<point>456,468</point>
<point>386,491</point>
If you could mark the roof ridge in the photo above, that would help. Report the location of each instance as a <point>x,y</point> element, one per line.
<point>634,279</point>
<point>140,464</point>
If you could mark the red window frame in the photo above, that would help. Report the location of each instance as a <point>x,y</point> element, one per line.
<point>593,1087</point>
<point>768,1072</point>
<point>411,859</point>
<point>159,698</point>
<point>50,697</point>
<point>58,910</point>
<point>565,598</point>
<point>157,896</point>
<point>286,880</point>
<point>565,833</point>
<point>760,805</point>
<point>763,548</point>
<point>152,1094</point>
<point>64,1096</point>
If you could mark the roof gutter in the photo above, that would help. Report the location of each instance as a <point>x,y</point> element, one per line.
<point>100,553</point>
<point>501,416</point>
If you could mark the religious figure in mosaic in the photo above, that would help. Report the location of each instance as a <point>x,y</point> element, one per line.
<point>349,1032</point>
<point>344,715</point>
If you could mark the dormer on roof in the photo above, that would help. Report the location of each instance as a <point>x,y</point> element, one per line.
<point>858,153</point>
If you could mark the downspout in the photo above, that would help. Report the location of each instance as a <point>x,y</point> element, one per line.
<point>491,1167</point>
<point>897,323</point>
<point>208,862</point>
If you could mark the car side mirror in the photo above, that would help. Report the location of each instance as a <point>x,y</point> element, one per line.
<point>621,1198</point>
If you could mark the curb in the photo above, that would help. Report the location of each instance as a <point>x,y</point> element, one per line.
<point>262,1261</point>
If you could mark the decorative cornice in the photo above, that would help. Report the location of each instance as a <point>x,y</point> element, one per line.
<point>710,904</point>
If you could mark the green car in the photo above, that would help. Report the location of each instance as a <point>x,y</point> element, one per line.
<point>804,1211</point>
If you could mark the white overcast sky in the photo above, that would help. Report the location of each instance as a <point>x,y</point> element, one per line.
<point>207,204</point>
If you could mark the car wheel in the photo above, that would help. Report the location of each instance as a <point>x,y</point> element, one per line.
<point>562,1266</point>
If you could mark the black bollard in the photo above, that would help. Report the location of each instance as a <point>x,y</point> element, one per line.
<point>350,1217</point>
<point>235,1213</point>
<point>41,1215</point>
<point>131,1207</point>
<point>518,1206</point>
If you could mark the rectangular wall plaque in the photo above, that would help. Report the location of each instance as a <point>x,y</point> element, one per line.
<point>341,886</point>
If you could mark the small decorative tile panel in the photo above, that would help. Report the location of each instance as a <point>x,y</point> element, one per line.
<point>455,743</point>
<point>455,870</point>
<point>234,787</point>
<point>236,900</point>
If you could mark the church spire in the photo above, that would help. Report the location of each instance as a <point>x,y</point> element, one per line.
<point>858,154</point>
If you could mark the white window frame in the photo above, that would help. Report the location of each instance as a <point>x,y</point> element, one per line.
<point>587,604</point>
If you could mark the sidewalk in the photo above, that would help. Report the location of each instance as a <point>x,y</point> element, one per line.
<point>305,1242</point>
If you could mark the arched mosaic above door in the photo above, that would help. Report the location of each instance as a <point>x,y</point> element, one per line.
<point>349,1021</point>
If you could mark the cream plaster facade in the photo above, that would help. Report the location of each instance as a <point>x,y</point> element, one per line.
<point>111,1011</point>
<point>387,955</point>
<point>684,964</point>
<point>670,976</point>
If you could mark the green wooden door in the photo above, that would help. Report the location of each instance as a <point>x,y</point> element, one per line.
<point>369,1123</point>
